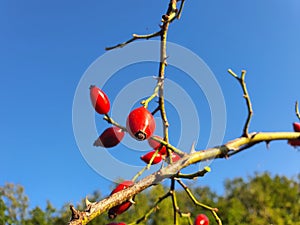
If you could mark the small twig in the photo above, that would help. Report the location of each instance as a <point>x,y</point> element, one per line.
<point>196,202</point>
<point>190,220</point>
<point>134,37</point>
<point>247,98</point>
<point>111,121</point>
<point>155,94</point>
<point>174,201</point>
<point>153,208</point>
<point>147,167</point>
<point>180,9</point>
<point>169,146</point>
<point>139,174</point>
<point>200,173</point>
<point>172,14</point>
<point>297,110</point>
<point>155,110</point>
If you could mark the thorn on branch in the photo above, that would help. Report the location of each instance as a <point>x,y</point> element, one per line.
<point>193,150</point>
<point>75,213</point>
<point>89,205</point>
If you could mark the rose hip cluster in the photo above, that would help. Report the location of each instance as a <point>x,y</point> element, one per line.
<point>295,142</point>
<point>140,124</point>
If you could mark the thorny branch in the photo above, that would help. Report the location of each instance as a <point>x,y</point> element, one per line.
<point>83,217</point>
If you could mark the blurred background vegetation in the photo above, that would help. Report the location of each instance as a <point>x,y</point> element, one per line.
<point>261,199</point>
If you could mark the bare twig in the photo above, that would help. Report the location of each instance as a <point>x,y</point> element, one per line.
<point>247,98</point>
<point>134,37</point>
<point>200,173</point>
<point>196,202</point>
<point>172,14</point>
<point>180,9</point>
<point>155,94</point>
<point>174,201</point>
<point>111,121</point>
<point>169,146</point>
<point>153,209</point>
<point>167,18</point>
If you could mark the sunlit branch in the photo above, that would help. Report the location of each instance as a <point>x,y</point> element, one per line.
<point>247,98</point>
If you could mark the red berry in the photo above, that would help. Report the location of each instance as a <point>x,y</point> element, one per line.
<point>296,127</point>
<point>119,209</point>
<point>294,142</point>
<point>121,186</point>
<point>99,100</point>
<point>155,145</point>
<point>201,219</point>
<point>140,124</point>
<point>110,137</point>
<point>146,158</point>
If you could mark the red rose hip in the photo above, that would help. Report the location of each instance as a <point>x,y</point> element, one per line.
<point>201,219</point>
<point>99,100</point>
<point>140,124</point>
<point>110,137</point>
<point>119,209</point>
<point>294,142</point>
<point>146,158</point>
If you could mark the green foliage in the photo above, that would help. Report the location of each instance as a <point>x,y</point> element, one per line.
<point>16,204</point>
<point>261,199</point>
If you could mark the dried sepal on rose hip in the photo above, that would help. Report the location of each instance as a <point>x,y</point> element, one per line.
<point>155,145</point>
<point>110,137</point>
<point>140,123</point>
<point>99,99</point>
<point>295,142</point>
<point>296,127</point>
<point>119,209</point>
<point>147,157</point>
<point>201,219</point>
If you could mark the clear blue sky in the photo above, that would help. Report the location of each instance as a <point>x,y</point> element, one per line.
<point>45,48</point>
